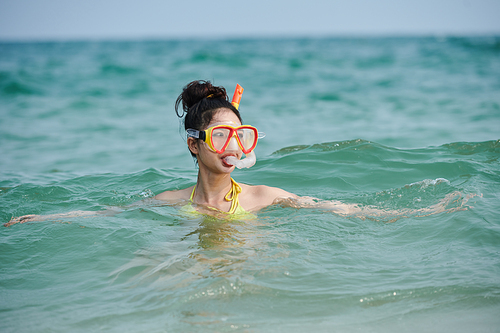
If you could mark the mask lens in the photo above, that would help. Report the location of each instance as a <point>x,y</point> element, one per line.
<point>219,137</point>
<point>247,137</point>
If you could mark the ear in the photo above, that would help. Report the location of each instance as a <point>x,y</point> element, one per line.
<point>193,145</point>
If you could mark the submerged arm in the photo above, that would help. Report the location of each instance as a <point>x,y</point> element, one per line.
<point>363,212</point>
<point>109,211</point>
<point>38,218</point>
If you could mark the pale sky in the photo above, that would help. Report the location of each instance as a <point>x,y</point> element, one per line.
<point>127,19</point>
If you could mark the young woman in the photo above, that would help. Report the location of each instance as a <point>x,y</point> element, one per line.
<point>218,139</point>
<point>215,134</point>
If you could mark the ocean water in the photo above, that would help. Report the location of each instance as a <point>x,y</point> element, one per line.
<point>394,123</point>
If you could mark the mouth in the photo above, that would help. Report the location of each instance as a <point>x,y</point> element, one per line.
<point>225,159</point>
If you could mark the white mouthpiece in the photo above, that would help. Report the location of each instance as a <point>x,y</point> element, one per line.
<point>247,162</point>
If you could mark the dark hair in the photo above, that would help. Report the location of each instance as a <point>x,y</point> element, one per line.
<point>200,102</point>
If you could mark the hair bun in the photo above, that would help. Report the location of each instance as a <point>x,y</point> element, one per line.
<point>196,91</point>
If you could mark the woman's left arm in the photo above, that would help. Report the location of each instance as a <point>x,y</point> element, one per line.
<point>364,212</point>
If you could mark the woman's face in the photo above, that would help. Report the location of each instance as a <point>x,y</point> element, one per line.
<point>211,159</point>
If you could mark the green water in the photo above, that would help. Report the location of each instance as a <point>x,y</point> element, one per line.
<point>393,123</point>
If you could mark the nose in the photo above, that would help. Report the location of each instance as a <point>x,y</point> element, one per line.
<point>233,144</point>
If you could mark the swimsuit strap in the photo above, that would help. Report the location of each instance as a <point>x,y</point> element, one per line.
<point>192,194</point>
<point>232,196</point>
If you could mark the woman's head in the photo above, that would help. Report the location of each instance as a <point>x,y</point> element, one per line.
<point>200,102</point>
<point>204,106</point>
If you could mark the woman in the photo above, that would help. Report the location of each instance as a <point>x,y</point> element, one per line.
<point>218,140</point>
<point>207,111</point>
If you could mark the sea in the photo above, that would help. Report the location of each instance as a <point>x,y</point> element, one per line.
<point>395,124</point>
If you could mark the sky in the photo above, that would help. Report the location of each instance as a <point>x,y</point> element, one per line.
<point>128,19</point>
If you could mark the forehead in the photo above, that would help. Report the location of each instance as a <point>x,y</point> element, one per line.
<point>226,117</point>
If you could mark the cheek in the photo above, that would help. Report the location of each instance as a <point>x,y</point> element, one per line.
<point>204,149</point>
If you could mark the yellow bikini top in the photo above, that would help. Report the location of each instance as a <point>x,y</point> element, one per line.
<point>232,196</point>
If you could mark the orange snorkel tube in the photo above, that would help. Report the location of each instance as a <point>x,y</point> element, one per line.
<point>250,158</point>
<point>237,96</point>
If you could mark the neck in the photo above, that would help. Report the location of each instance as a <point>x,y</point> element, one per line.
<point>212,188</point>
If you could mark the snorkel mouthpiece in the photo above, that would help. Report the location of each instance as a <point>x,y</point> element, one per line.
<point>250,158</point>
<point>247,162</point>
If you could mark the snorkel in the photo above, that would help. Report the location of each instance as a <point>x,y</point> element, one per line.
<point>247,162</point>
<point>250,158</point>
<point>237,96</point>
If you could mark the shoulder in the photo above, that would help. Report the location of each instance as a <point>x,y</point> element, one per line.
<point>264,190</point>
<point>254,197</point>
<point>175,196</point>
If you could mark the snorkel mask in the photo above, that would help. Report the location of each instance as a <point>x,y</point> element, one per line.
<point>220,137</point>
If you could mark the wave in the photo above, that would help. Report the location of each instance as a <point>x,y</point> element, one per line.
<point>459,147</point>
<point>368,173</point>
<point>362,158</point>
<point>13,85</point>
<point>356,171</point>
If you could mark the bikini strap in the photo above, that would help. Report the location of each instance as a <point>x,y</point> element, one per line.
<point>192,194</point>
<point>232,196</point>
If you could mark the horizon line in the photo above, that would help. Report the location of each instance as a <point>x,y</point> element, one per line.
<point>51,39</point>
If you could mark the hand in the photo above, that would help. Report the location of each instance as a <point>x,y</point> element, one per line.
<point>22,219</point>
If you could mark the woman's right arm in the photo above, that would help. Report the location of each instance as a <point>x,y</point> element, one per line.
<point>38,218</point>
<point>167,197</point>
